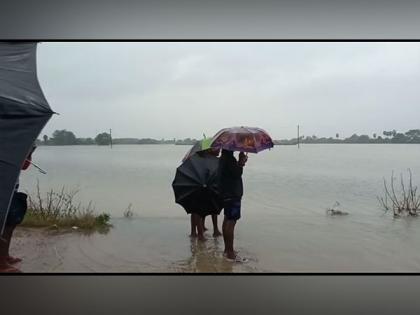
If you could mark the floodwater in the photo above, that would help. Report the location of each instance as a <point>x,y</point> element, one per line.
<point>284,225</point>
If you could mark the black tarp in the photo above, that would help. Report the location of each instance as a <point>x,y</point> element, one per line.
<point>24,111</point>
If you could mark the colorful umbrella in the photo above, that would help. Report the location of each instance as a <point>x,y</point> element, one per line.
<point>244,139</point>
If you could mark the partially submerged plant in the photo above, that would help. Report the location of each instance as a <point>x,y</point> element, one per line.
<point>128,212</point>
<point>334,211</point>
<point>59,210</point>
<point>405,202</point>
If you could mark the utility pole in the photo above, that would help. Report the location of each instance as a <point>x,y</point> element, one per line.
<point>298,139</point>
<point>110,137</point>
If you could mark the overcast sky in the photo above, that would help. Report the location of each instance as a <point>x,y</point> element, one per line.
<point>180,90</point>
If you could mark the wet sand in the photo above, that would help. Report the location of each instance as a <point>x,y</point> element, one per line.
<point>134,246</point>
<point>162,245</point>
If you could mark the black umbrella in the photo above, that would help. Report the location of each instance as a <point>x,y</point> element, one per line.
<point>24,111</point>
<point>196,185</point>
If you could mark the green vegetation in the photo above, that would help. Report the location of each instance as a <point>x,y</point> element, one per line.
<point>125,141</point>
<point>58,210</point>
<point>148,141</point>
<point>85,141</point>
<point>187,141</point>
<point>141,141</point>
<point>411,136</point>
<point>405,202</point>
<point>64,137</point>
<point>103,139</point>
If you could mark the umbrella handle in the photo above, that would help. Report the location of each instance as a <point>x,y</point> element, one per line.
<point>36,166</point>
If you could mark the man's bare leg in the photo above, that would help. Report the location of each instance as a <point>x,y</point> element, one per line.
<point>200,227</point>
<point>193,226</point>
<point>5,259</point>
<point>204,224</point>
<point>228,236</point>
<point>5,241</point>
<point>216,231</point>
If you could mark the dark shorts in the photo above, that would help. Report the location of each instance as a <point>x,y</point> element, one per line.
<point>232,209</point>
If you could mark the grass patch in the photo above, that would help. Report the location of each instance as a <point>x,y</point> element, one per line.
<point>58,210</point>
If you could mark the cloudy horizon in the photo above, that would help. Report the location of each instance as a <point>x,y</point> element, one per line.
<point>180,90</point>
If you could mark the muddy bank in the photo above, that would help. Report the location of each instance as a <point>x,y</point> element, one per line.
<point>143,245</point>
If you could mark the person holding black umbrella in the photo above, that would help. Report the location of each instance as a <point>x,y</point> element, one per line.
<point>196,189</point>
<point>15,217</point>
<point>202,228</point>
<point>24,113</point>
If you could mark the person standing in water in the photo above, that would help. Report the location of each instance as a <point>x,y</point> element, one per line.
<point>198,222</point>
<point>198,226</point>
<point>216,231</point>
<point>231,186</point>
<point>15,216</point>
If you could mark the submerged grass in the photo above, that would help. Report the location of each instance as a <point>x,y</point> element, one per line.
<point>59,210</point>
<point>128,212</point>
<point>406,202</point>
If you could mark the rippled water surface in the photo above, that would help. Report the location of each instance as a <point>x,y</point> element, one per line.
<point>284,226</point>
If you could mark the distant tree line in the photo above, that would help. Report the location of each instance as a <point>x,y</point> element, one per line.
<point>187,141</point>
<point>411,136</point>
<point>65,137</point>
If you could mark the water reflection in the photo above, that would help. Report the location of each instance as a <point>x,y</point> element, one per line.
<point>205,257</point>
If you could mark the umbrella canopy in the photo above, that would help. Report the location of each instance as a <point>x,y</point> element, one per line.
<point>24,111</point>
<point>196,185</point>
<point>199,146</point>
<point>244,139</point>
